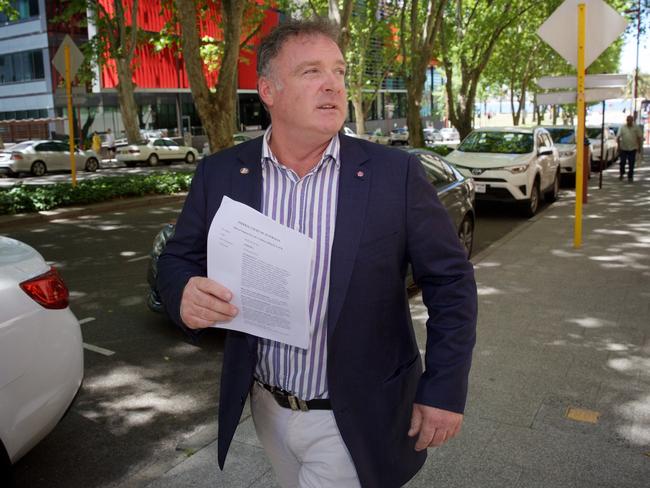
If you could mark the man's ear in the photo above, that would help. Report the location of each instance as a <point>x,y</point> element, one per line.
<point>265,88</point>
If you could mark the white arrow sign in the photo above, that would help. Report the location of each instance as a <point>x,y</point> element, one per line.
<point>595,95</point>
<point>591,81</point>
<point>76,58</point>
<point>603,26</point>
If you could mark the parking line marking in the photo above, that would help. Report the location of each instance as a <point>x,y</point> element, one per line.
<point>86,320</point>
<point>138,259</point>
<point>99,350</point>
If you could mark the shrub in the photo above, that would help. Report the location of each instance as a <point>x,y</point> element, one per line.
<point>27,198</point>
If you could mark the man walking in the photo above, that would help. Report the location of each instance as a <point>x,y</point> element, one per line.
<point>355,408</point>
<point>630,139</point>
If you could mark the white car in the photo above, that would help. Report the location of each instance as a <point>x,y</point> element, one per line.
<point>41,355</point>
<point>399,136</point>
<point>349,132</point>
<point>564,138</point>
<point>376,136</point>
<point>610,148</point>
<point>515,164</point>
<point>449,134</point>
<point>155,151</point>
<point>39,157</point>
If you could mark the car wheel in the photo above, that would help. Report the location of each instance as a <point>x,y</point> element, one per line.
<point>130,164</point>
<point>39,168</point>
<point>551,195</point>
<point>92,165</point>
<point>190,158</point>
<point>466,234</point>
<point>153,160</point>
<point>532,205</point>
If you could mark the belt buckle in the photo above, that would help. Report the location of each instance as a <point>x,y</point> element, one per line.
<point>297,403</point>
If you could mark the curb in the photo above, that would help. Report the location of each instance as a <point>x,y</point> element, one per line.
<point>10,221</point>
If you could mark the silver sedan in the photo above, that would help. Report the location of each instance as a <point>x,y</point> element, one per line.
<point>155,151</point>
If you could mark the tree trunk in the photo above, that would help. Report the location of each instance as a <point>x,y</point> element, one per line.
<point>216,110</point>
<point>359,113</point>
<point>414,90</point>
<point>554,114</point>
<point>126,99</point>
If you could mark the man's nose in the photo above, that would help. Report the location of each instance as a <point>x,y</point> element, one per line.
<point>333,83</point>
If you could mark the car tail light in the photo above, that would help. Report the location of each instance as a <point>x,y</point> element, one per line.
<point>48,290</point>
<point>134,151</point>
<point>15,156</point>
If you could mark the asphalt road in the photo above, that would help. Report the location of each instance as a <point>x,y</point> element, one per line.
<point>146,389</point>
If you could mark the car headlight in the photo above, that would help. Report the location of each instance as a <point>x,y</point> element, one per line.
<point>520,168</point>
<point>566,154</point>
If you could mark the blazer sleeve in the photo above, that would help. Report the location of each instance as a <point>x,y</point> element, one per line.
<point>185,254</point>
<point>446,278</point>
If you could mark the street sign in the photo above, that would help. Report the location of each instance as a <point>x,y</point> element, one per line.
<point>76,57</point>
<point>593,95</point>
<point>602,21</point>
<point>591,81</point>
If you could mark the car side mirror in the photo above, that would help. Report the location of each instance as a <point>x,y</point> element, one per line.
<point>544,151</point>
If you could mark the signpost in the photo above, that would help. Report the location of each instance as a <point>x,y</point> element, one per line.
<point>559,32</point>
<point>67,60</point>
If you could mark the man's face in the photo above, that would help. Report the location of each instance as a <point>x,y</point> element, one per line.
<point>306,90</point>
<point>629,120</point>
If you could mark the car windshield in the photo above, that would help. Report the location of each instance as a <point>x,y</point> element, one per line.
<point>594,133</point>
<point>498,142</point>
<point>563,136</point>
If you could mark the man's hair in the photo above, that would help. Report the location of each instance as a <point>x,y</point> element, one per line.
<point>272,44</point>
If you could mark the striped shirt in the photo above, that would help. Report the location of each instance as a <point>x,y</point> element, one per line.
<point>307,205</point>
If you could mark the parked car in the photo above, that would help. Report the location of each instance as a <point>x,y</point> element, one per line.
<point>237,139</point>
<point>399,135</point>
<point>609,149</point>
<point>377,136</point>
<point>432,135</point>
<point>455,191</point>
<point>41,355</point>
<point>564,138</point>
<point>515,164</point>
<point>349,132</point>
<point>154,151</point>
<point>449,134</point>
<point>39,157</point>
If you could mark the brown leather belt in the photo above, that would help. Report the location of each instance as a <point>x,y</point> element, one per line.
<point>288,400</point>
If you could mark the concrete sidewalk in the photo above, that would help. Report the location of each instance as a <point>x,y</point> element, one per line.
<point>560,387</point>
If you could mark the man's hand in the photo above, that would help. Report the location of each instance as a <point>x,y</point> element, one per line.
<point>205,302</point>
<point>435,426</point>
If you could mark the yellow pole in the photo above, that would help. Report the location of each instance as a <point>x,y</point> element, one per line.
<point>68,90</point>
<point>580,136</point>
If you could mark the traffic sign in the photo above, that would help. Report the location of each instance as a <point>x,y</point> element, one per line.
<point>593,95</point>
<point>602,21</point>
<point>76,58</point>
<point>591,81</point>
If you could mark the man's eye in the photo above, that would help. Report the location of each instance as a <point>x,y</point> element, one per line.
<point>311,70</point>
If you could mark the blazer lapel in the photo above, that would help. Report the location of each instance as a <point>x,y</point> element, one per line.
<point>246,188</point>
<point>354,185</point>
<point>246,176</point>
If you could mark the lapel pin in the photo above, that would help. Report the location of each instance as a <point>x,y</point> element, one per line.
<point>244,171</point>
<point>359,174</point>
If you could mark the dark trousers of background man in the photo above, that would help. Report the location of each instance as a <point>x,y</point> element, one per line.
<point>629,157</point>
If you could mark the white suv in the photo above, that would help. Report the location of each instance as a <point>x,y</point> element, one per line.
<point>511,164</point>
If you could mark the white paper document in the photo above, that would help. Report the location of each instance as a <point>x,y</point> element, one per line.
<point>267,267</point>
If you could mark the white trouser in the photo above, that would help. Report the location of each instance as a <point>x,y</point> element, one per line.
<point>305,448</point>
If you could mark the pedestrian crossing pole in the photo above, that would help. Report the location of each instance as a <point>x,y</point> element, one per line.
<point>68,91</point>
<point>577,230</point>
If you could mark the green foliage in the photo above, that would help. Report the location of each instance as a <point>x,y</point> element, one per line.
<point>8,9</point>
<point>28,198</point>
<point>439,149</point>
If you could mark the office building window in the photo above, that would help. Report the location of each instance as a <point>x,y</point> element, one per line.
<point>20,67</point>
<point>26,9</point>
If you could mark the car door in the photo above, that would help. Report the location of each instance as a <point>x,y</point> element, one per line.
<point>545,162</point>
<point>62,150</point>
<point>175,151</point>
<point>161,149</point>
<point>450,192</point>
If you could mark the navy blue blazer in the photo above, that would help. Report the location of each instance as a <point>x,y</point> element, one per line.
<point>388,215</point>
